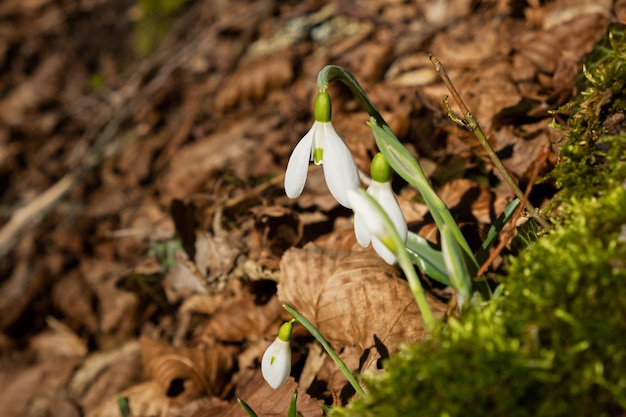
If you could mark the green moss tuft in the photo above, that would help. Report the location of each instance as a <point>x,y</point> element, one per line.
<point>593,157</point>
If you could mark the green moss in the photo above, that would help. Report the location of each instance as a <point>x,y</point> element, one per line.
<point>593,157</point>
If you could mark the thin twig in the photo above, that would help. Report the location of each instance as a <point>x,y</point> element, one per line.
<point>472,125</point>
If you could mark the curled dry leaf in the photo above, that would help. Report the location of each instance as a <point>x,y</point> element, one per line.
<point>187,373</point>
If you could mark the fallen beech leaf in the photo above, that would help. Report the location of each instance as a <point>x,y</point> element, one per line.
<point>302,275</point>
<point>254,79</point>
<point>363,298</point>
<point>58,341</point>
<point>186,373</point>
<point>279,228</point>
<point>240,318</point>
<point>352,297</point>
<point>216,254</point>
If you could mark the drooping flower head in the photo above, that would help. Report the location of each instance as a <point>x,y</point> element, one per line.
<point>276,362</point>
<point>323,146</point>
<point>368,225</point>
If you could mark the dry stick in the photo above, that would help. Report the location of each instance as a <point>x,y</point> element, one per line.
<point>472,125</point>
<point>543,155</point>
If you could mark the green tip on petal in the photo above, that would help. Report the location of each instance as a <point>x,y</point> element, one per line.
<point>380,168</point>
<point>318,153</point>
<point>390,244</point>
<point>284,333</point>
<point>322,108</point>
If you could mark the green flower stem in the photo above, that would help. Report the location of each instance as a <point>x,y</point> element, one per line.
<point>416,288</point>
<point>472,125</point>
<point>404,164</point>
<point>317,335</point>
<point>331,73</point>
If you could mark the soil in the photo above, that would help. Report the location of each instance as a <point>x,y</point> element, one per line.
<point>146,242</point>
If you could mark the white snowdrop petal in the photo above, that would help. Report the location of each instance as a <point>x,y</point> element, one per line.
<point>361,231</point>
<point>340,170</point>
<point>276,363</point>
<point>367,214</point>
<point>298,165</point>
<point>389,203</point>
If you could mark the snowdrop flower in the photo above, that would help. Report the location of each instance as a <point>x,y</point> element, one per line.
<point>276,362</point>
<point>323,146</point>
<point>368,223</point>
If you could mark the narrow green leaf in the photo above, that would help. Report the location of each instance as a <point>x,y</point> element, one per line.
<point>427,257</point>
<point>483,253</point>
<point>292,405</point>
<point>246,408</point>
<point>458,272</point>
<point>123,403</point>
<point>317,335</point>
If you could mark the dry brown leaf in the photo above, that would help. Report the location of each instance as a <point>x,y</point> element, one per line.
<point>352,297</point>
<point>186,373</point>
<point>544,50</point>
<point>235,149</point>
<point>278,228</point>
<point>180,283</point>
<point>303,273</point>
<point>103,374</point>
<point>72,296</point>
<point>266,401</point>
<point>216,253</point>
<point>365,298</point>
<point>23,387</point>
<point>146,399</point>
<point>241,318</point>
<point>255,78</point>
<point>58,342</point>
